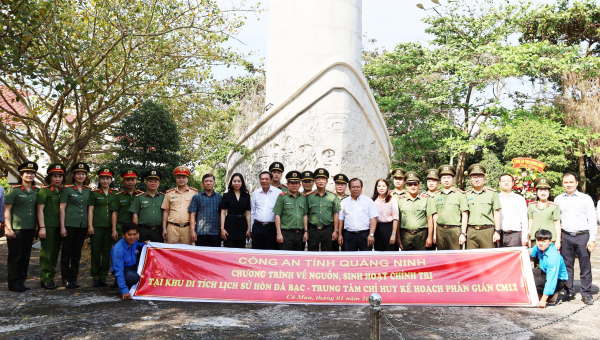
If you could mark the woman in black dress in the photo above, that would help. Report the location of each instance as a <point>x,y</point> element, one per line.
<point>235,213</point>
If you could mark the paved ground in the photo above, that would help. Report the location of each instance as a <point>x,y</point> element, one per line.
<point>93,313</point>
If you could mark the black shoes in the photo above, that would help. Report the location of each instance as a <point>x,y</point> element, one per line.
<point>115,284</point>
<point>568,297</point>
<point>97,283</point>
<point>587,300</point>
<point>49,285</point>
<point>71,285</point>
<point>103,283</point>
<point>18,289</point>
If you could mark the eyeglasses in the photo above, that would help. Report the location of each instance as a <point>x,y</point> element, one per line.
<point>412,184</point>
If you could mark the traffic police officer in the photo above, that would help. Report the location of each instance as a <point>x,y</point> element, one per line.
<point>48,214</point>
<point>291,220</point>
<point>99,226</point>
<point>416,228</point>
<point>341,184</point>
<point>20,213</point>
<point>276,169</point>
<point>74,201</point>
<point>146,209</point>
<point>122,202</point>
<point>308,180</point>
<point>484,211</point>
<point>323,208</point>
<point>450,212</point>
<point>398,180</point>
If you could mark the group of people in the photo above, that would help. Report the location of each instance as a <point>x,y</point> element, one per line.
<point>298,215</point>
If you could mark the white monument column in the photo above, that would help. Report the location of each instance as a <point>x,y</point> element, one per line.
<point>322,111</point>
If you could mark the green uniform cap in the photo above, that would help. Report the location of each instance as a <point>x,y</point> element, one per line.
<point>56,168</point>
<point>307,175</point>
<point>320,172</point>
<point>80,167</point>
<point>398,172</point>
<point>129,172</point>
<point>433,174</point>
<point>152,173</point>
<point>542,183</point>
<point>340,178</point>
<point>28,166</point>
<point>293,176</point>
<point>447,169</point>
<point>105,172</point>
<point>476,169</point>
<point>412,176</point>
<point>276,166</point>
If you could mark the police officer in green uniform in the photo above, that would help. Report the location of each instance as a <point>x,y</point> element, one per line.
<point>276,169</point>
<point>48,214</point>
<point>398,180</point>
<point>20,213</point>
<point>99,227</point>
<point>122,202</point>
<point>450,212</point>
<point>544,214</point>
<point>146,210</point>
<point>341,185</point>
<point>433,182</point>
<point>416,227</point>
<point>308,181</point>
<point>291,220</point>
<point>74,201</point>
<point>323,208</point>
<point>484,211</point>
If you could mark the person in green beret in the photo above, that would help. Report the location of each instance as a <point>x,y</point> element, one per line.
<point>544,214</point>
<point>48,214</point>
<point>20,214</point>
<point>74,223</point>
<point>99,227</point>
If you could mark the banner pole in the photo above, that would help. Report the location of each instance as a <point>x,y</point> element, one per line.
<point>375,317</point>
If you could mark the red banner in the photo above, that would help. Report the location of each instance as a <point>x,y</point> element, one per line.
<point>486,277</point>
<point>528,163</point>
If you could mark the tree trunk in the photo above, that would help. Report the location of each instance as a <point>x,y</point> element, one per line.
<point>460,169</point>
<point>581,162</point>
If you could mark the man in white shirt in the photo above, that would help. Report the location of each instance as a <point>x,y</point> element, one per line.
<point>358,219</point>
<point>515,226</point>
<point>263,232</point>
<point>579,229</point>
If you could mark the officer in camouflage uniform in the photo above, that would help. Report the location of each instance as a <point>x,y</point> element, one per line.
<point>398,181</point>
<point>484,211</point>
<point>450,212</point>
<point>323,208</point>
<point>276,169</point>
<point>416,227</point>
<point>20,213</point>
<point>308,181</point>
<point>291,220</point>
<point>146,209</point>
<point>48,214</point>
<point>99,226</point>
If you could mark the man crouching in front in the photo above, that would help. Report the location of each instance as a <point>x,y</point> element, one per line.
<point>124,259</point>
<point>551,277</point>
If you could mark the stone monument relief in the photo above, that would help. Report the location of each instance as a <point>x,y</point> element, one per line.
<point>323,113</point>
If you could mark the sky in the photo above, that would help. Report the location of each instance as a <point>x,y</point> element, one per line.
<point>388,21</point>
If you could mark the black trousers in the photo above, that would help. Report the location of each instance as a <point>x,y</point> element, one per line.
<point>71,253</point>
<point>229,243</point>
<point>19,253</point>
<point>208,240</point>
<point>264,236</point>
<point>511,240</point>
<point>539,277</point>
<point>382,237</point>
<point>148,234</point>
<point>576,246</point>
<point>356,241</point>
<point>292,240</point>
<point>320,238</point>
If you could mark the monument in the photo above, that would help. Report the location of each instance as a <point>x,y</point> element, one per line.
<point>320,111</point>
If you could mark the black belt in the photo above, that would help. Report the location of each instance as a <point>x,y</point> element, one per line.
<point>414,232</point>
<point>508,232</point>
<point>481,227</point>
<point>264,223</point>
<point>357,232</point>
<point>319,227</point>
<point>575,233</point>
<point>180,225</point>
<point>448,226</point>
<point>295,231</point>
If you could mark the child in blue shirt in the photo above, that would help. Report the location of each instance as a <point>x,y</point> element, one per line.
<point>551,277</point>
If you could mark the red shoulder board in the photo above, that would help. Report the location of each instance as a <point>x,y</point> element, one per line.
<point>283,193</point>
<point>424,195</point>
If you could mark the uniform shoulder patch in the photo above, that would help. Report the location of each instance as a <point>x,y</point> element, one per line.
<point>69,186</point>
<point>425,195</point>
<point>491,189</point>
<point>193,189</point>
<point>95,190</point>
<point>553,203</point>
<point>459,190</point>
<point>283,193</point>
<point>171,190</point>
<point>120,192</point>
<point>46,186</point>
<point>139,194</point>
<point>530,203</point>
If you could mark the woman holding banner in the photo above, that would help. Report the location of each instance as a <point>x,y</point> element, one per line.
<point>235,213</point>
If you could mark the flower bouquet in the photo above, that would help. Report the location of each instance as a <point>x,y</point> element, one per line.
<point>524,184</point>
